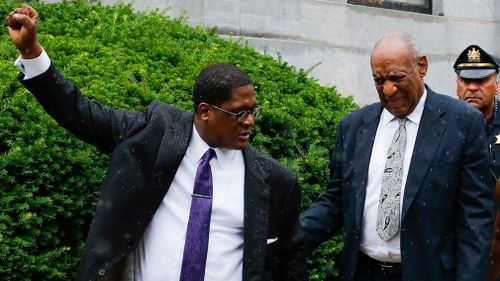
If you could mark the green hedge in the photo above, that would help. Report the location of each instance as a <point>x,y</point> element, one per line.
<point>50,181</point>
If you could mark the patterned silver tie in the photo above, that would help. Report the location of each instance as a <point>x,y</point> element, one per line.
<point>390,193</point>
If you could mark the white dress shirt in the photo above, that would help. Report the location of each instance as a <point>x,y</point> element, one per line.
<point>158,256</point>
<point>371,244</point>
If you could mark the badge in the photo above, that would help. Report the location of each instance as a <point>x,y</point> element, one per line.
<point>498,139</point>
<point>473,55</point>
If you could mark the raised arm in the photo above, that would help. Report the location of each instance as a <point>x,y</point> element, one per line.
<point>99,125</point>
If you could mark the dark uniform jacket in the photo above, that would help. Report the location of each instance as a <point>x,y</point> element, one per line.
<point>492,128</point>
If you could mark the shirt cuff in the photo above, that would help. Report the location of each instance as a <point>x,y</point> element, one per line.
<point>33,67</point>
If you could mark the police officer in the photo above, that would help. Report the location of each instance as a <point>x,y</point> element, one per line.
<point>477,85</point>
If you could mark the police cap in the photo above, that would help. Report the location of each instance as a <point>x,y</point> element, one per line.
<point>475,63</point>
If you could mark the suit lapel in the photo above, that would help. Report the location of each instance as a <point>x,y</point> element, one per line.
<point>256,213</point>
<point>365,136</point>
<point>430,132</point>
<point>173,146</point>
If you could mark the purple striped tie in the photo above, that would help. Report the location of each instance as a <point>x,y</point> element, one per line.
<point>196,245</point>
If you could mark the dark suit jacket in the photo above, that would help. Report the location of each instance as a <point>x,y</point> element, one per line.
<point>147,149</point>
<point>448,206</point>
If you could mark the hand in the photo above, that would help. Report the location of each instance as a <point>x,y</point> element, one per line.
<point>22,25</point>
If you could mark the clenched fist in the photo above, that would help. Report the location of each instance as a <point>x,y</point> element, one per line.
<point>22,25</point>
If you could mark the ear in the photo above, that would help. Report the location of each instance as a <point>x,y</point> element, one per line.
<point>458,81</point>
<point>496,85</point>
<point>203,111</point>
<point>422,66</point>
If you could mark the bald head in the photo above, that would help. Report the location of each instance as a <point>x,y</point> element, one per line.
<point>398,41</point>
<point>398,69</point>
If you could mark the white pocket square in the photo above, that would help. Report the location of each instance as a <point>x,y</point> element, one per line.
<point>272,240</point>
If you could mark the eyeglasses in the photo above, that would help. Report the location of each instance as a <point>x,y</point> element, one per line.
<point>241,116</point>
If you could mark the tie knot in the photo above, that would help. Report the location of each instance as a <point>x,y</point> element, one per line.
<point>402,121</point>
<point>209,154</point>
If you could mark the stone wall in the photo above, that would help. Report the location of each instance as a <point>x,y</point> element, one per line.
<point>335,38</point>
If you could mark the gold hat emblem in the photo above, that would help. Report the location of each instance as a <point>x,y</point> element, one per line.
<point>473,55</point>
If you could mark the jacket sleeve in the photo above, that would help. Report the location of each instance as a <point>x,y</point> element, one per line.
<point>291,263</point>
<point>476,207</point>
<point>90,121</point>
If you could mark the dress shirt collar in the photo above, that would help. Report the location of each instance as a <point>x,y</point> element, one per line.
<point>198,147</point>
<point>414,116</point>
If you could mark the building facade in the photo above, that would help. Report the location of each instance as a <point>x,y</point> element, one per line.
<point>335,37</point>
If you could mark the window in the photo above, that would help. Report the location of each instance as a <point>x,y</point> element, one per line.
<point>419,6</point>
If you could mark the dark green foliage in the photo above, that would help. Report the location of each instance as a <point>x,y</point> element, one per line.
<point>50,181</point>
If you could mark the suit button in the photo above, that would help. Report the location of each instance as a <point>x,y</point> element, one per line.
<point>102,271</point>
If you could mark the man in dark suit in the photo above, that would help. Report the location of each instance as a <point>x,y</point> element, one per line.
<point>409,180</point>
<point>142,222</point>
<point>477,84</point>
